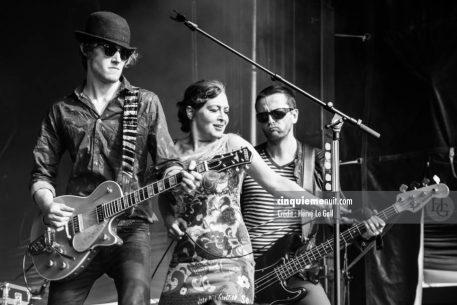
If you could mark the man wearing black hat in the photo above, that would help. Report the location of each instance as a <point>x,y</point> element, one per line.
<point>108,127</point>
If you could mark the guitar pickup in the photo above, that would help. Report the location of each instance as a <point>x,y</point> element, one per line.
<point>76,225</point>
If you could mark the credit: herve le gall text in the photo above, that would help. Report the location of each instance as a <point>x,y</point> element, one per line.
<point>291,213</point>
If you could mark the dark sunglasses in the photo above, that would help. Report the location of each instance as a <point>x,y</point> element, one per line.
<point>111,49</point>
<point>276,114</point>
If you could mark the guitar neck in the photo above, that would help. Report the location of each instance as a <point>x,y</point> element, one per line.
<point>119,205</point>
<point>298,263</point>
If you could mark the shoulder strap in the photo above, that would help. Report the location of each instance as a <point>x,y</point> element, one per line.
<point>129,132</point>
<point>307,174</point>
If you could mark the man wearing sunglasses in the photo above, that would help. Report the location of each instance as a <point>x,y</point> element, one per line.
<point>109,128</point>
<point>277,113</point>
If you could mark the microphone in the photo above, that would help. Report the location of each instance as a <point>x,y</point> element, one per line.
<point>181,18</point>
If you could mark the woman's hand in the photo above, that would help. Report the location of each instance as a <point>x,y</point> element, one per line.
<point>191,179</point>
<point>176,226</point>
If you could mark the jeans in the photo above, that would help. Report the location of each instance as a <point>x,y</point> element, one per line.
<point>129,265</point>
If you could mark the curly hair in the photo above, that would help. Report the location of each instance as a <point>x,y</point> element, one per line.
<point>195,96</point>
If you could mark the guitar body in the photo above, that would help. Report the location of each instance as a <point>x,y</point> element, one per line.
<point>72,249</point>
<point>277,293</point>
<point>65,253</point>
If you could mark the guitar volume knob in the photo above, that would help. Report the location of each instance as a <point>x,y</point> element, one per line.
<point>63,265</point>
<point>50,263</point>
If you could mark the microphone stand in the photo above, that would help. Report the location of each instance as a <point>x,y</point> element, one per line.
<point>335,125</point>
<point>336,132</point>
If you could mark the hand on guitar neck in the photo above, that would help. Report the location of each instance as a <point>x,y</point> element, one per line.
<point>191,179</point>
<point>374,226</point>
<point>90,222</point>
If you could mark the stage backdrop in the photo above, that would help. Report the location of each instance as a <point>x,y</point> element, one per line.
<point>400,82</point>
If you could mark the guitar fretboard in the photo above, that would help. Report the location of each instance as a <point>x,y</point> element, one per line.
<point>117,206</point>
<point>298,263</point>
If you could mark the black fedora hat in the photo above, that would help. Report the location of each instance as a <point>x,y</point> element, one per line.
<point>106,26</point>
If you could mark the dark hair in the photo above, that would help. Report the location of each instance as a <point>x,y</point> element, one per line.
<point>89,46</point>
<point>273,89</point>
<point>195,96</point>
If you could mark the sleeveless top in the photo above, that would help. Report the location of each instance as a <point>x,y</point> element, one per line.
<point>260,210</point>
<point>214,260</point>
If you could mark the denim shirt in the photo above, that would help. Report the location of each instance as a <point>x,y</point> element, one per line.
<point>94,143</point>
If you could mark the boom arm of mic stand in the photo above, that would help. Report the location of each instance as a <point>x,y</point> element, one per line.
<point>275,77</point>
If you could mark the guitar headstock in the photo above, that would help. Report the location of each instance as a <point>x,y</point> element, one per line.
<point>235,158</point>
<point>416,199</point>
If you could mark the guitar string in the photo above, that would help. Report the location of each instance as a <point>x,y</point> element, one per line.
<point>271,278</point>
<point>111,207</point>
<point>265,279</point>
<point>283,268</point>
<point>345,235</point>
<point>107,206</point>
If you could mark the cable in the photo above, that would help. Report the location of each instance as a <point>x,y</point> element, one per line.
<point>161,259</point>
<point>24,271</point>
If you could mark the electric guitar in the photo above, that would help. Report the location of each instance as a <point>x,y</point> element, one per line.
<point>271,280</point>
<point>60,254</point>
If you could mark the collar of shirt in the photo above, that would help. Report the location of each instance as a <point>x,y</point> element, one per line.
<point>125,86</point>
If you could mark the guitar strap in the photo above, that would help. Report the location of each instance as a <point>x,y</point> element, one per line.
<point>129,133</point>
<point>307,174</point>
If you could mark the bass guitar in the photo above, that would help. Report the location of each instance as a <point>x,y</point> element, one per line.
<point>271,276</point>
<point>60,254</point>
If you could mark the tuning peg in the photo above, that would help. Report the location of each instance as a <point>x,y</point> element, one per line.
<point>403,188</point>
<point>436,179</point>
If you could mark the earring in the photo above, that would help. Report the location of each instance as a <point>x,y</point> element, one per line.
<point>189,112</point>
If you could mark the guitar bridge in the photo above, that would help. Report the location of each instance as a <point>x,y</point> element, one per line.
<point>38,246</point>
